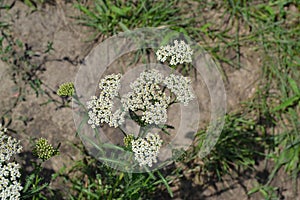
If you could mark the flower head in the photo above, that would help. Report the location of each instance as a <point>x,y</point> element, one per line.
<point>146,149</point>
<point>8,146</point>
<point>127,140</point>
<point>9,171</point>
<point>179,53</point>
<point>66,89</point>
<point>148,97</point>
<point>110,85</point>
<point>9,186</point>
<point>181,87</point>
<point>43,150</point>
<point>101,108</point>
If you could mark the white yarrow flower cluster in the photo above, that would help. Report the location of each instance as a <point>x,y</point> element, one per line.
<point>8,146</point>
<point>148,97</point>
<point>180,53</point>
<point>146,149</point>
<point>181,87</point>
<point>9,171</point>
<point>101,108</point>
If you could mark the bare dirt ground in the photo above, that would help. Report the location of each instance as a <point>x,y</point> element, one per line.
<point>31,118</point>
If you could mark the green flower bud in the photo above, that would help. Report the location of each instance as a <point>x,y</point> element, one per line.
<point>66,89</point>
<point>43,150</point>
<point>127,140</point>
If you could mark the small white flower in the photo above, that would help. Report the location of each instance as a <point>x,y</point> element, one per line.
<point>146,149</point>
<point>180,53</point>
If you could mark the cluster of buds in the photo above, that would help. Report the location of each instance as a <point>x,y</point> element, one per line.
<point>43,150</point>
<point>66,90</point>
